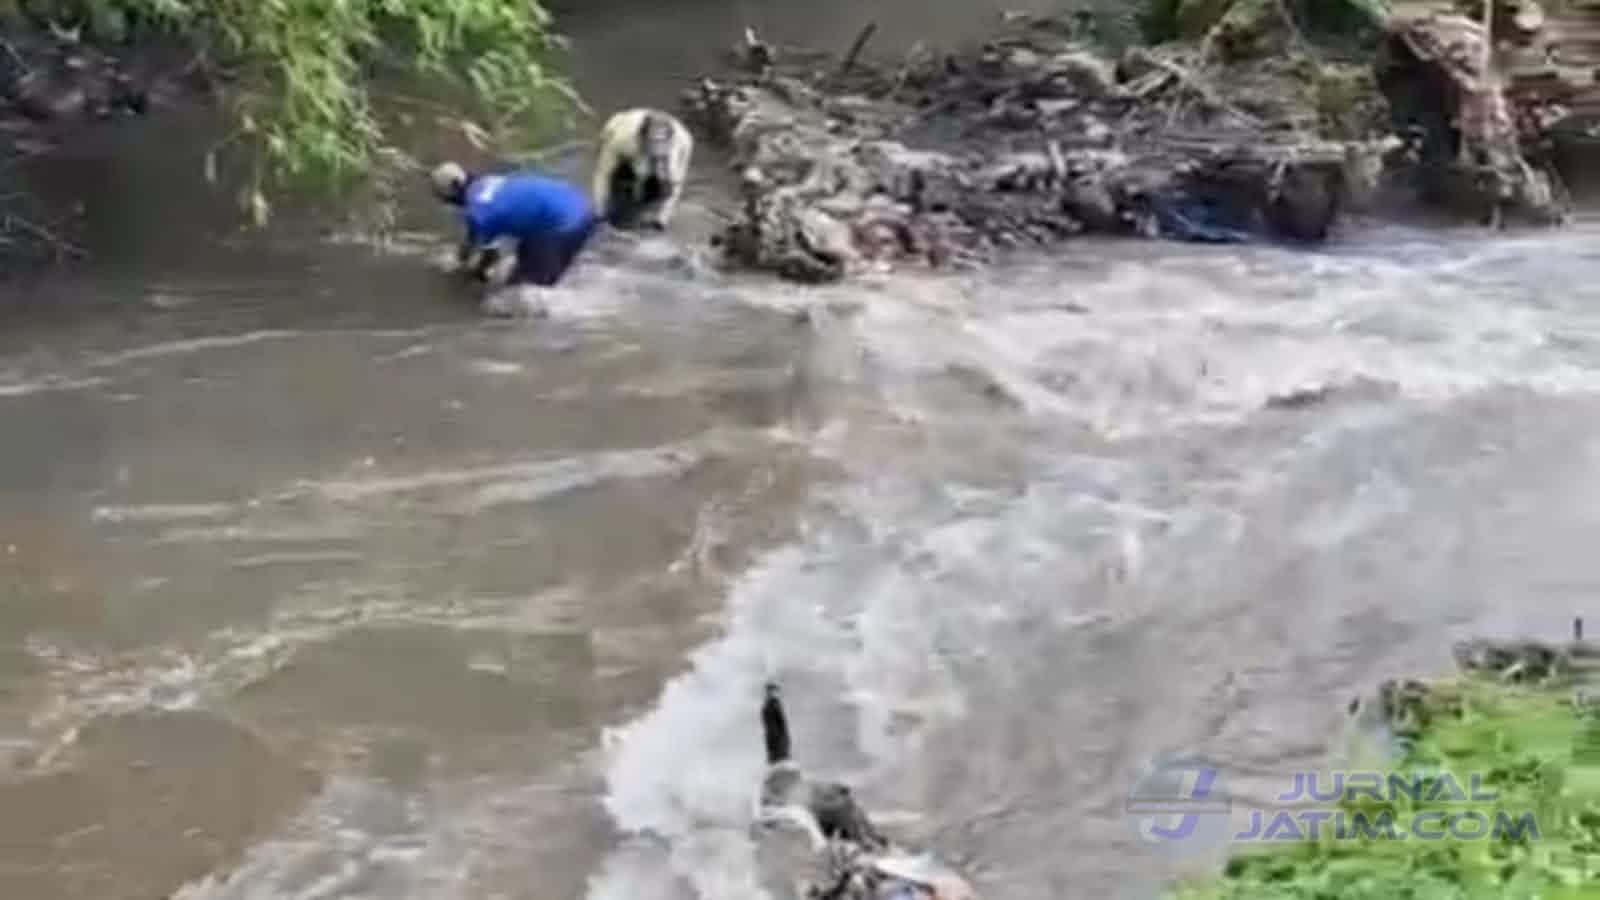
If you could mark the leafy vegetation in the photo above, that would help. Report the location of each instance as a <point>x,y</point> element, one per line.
<point>299,73</point>
<point>1534,748</point>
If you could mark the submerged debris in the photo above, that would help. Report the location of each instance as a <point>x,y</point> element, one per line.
<point>852,858</point>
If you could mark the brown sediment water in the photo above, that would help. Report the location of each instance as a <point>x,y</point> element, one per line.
<point>315,584</point>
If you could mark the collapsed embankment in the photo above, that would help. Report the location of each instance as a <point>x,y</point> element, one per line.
<point>1493,790</point>
<point>1259,130</point>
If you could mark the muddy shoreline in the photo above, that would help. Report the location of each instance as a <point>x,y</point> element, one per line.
<point>1254,133</point>
<point>56,87</point>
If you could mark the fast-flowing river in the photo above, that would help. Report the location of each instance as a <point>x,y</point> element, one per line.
<point>318,585</point>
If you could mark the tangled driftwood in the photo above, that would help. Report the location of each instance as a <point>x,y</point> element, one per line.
<point>1026,140</point>
<point>1030,138</point>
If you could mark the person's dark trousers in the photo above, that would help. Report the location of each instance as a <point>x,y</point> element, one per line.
<point>544,260</point>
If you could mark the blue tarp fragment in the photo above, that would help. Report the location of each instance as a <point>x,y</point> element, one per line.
<point>1197,220</point>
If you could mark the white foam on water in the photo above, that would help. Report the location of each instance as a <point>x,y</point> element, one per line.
<point>881,606</point>
<point>530,480</point>
<point>891,594</point>
<point>27,387</point>
<point>211,343</point>
<point>867,621</point>
<point>356,839</point>
<point>85,683</point>
<point>162,512</point>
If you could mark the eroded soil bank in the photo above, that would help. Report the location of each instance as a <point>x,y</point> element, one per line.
<point>1269,125</point>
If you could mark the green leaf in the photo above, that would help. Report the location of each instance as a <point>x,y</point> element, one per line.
<point>305,111</point>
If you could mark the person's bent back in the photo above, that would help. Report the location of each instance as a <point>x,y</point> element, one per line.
<point>525,204</point>
<point>549,219</point>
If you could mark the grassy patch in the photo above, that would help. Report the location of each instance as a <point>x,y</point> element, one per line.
<point>1535,749</point>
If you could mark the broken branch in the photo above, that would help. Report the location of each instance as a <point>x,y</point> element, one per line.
<point>857,46</point>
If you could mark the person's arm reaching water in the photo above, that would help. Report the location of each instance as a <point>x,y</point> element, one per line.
<point>484,259</point>
<point>472,258</point>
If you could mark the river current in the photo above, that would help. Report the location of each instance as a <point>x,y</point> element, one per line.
<point>317,584</point>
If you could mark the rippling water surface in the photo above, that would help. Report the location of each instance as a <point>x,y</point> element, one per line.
<point>317,585</point>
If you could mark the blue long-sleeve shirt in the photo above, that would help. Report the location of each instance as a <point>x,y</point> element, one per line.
<point>523,205</point>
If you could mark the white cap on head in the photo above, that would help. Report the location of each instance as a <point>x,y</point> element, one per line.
<point>448,178</point>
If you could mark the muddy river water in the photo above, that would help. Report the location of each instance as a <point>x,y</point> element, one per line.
<point>314,584</point>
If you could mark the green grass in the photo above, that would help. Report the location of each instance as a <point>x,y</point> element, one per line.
<point>1529,746</point>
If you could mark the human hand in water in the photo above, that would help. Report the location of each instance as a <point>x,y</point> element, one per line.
<point>498,269</point>
<point>448,262</point>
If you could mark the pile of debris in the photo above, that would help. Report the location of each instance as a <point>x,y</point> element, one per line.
<point>1031,137</point>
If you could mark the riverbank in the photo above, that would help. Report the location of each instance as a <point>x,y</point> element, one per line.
<point>1262,125</point>
<point>1492,788</point>
<point>1250,121</point>
<point>56,86</point>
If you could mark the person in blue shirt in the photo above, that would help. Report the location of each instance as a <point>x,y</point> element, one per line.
<point>549,221</point>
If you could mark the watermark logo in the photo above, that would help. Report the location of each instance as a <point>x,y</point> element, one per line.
<point>1179,805</point>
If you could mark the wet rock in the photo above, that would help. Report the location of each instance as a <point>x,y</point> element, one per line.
<point>1302,398</point>
<point>1304,202</point>
<point>1359,389</point>
<point>825,238</point>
